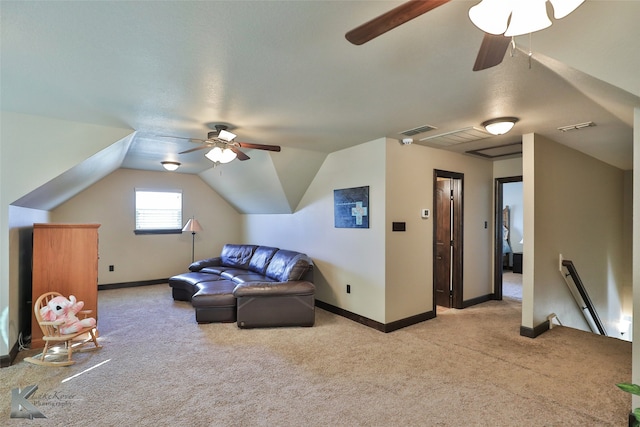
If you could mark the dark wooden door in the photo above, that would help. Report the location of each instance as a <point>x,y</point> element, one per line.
<point>443,237</point>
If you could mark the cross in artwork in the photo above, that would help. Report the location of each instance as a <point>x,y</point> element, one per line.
<point>358,212</point>
<point>351,207</point>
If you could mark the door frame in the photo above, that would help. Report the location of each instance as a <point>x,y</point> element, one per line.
<point>458,233</point>
<point>497,225</point>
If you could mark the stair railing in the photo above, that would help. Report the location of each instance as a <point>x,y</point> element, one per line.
<point>582,297</point>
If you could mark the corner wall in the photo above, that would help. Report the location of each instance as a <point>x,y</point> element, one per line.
<point>409,255</point>
<point>25,164</point>
<point>341,255</point>
<point>573,206</point>
<point>111,203</point>
<point>636,255</point>
<point>390,273</point>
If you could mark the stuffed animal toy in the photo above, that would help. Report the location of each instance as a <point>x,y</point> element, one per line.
<point>60,308</point>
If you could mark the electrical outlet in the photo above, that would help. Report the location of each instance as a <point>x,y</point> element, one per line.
<point>111,268</point>
<point>348,288</point>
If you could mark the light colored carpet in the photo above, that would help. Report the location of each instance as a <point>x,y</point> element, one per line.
<point>466,367</point>
<point>512,285</point>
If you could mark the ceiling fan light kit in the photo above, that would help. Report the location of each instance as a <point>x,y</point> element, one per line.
<point>226,135</point>
<point>170,166</point>
<point>491,16</point>
<point>526,16</point>
<point>222,147</point>
<point>219,155</point>
<point>500,126</point>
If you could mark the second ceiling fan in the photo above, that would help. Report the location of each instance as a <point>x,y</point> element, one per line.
<point>492,49</point>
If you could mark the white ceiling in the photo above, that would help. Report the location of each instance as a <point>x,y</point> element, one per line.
<point>281,72</point>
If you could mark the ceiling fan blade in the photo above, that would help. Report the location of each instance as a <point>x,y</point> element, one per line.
<point>240,154</point>
<point>388,21</point>
<point>195,149</point>
<point>259,146</point>
<point>197,140</point>
<point>491,51</point>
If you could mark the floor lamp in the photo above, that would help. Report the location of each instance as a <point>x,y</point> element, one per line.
<point>193,226</point>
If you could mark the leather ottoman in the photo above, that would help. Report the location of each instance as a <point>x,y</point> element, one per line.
<point>215,302</point>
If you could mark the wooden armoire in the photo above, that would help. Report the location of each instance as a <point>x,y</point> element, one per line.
<point>65,260</point>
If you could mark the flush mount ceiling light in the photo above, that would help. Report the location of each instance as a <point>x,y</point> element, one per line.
<point>219,155</point>
<point>499,126</point>
<point>527,16</point>
<point>170,166</point>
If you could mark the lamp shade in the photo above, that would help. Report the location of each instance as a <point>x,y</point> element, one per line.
<point>218,155</point>
<point>528,16</point>
<point>226,135</point>
<point>500,126</point>
<point>562,8</point>
<point>491,16</point>
<point>192,225</point>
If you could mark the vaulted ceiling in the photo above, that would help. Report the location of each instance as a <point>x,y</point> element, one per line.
<point>281,72</point>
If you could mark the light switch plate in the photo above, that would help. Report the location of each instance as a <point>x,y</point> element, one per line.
<point>425,213</point>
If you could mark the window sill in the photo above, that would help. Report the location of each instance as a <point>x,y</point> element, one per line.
<point>160,231</point>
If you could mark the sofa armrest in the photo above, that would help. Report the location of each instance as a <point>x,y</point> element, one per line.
<point>208,262</point>
<point>298,287</point>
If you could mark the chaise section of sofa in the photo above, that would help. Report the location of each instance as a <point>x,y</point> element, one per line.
<point>257,286</point>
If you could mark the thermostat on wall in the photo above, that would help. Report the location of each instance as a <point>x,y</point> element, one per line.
<point>425,213</point>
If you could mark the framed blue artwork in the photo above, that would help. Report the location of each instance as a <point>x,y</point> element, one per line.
<point>351,207</point>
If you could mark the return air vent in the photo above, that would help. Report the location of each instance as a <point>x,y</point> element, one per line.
<point>418,130</point>
<point>457,136</point>
<point>576,126</point>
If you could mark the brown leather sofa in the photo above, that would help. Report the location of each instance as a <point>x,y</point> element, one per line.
<point>257,286</point>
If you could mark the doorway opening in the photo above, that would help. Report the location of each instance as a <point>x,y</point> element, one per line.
<point>447,242</point>
<point>509,238</point>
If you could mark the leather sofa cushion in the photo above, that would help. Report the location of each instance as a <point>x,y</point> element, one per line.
<point>219,269</point>
<point>261,258</point>
<point>233,272</point>
<point>188,281</point>
<point>288,265</point>
<point>249,276</point>
<point>237,255</point>
<point>214,294</point>
<point>274,289</point>
<point>199,265</point>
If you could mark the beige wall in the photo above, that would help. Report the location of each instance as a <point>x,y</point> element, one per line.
<point>574,206</point>
<point>409,255</point>
<point>21,222</point>
<point>636,253</point>
<point>627,243</point>
<point>110,202</point>
<point>390,273</point>
<point>507,168</point>
<point>25,164</point>
<point>341,255</point>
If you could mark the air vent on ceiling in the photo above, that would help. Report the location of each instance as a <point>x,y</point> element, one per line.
<point>576,126</point>
<point>457,136</point>
<point>418,130</point>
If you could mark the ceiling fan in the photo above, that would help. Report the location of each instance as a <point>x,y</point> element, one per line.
<point>492,49</point>
<point>499,19</point>
<point>223,147</point>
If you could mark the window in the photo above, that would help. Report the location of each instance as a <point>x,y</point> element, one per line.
<point>158,212</point>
